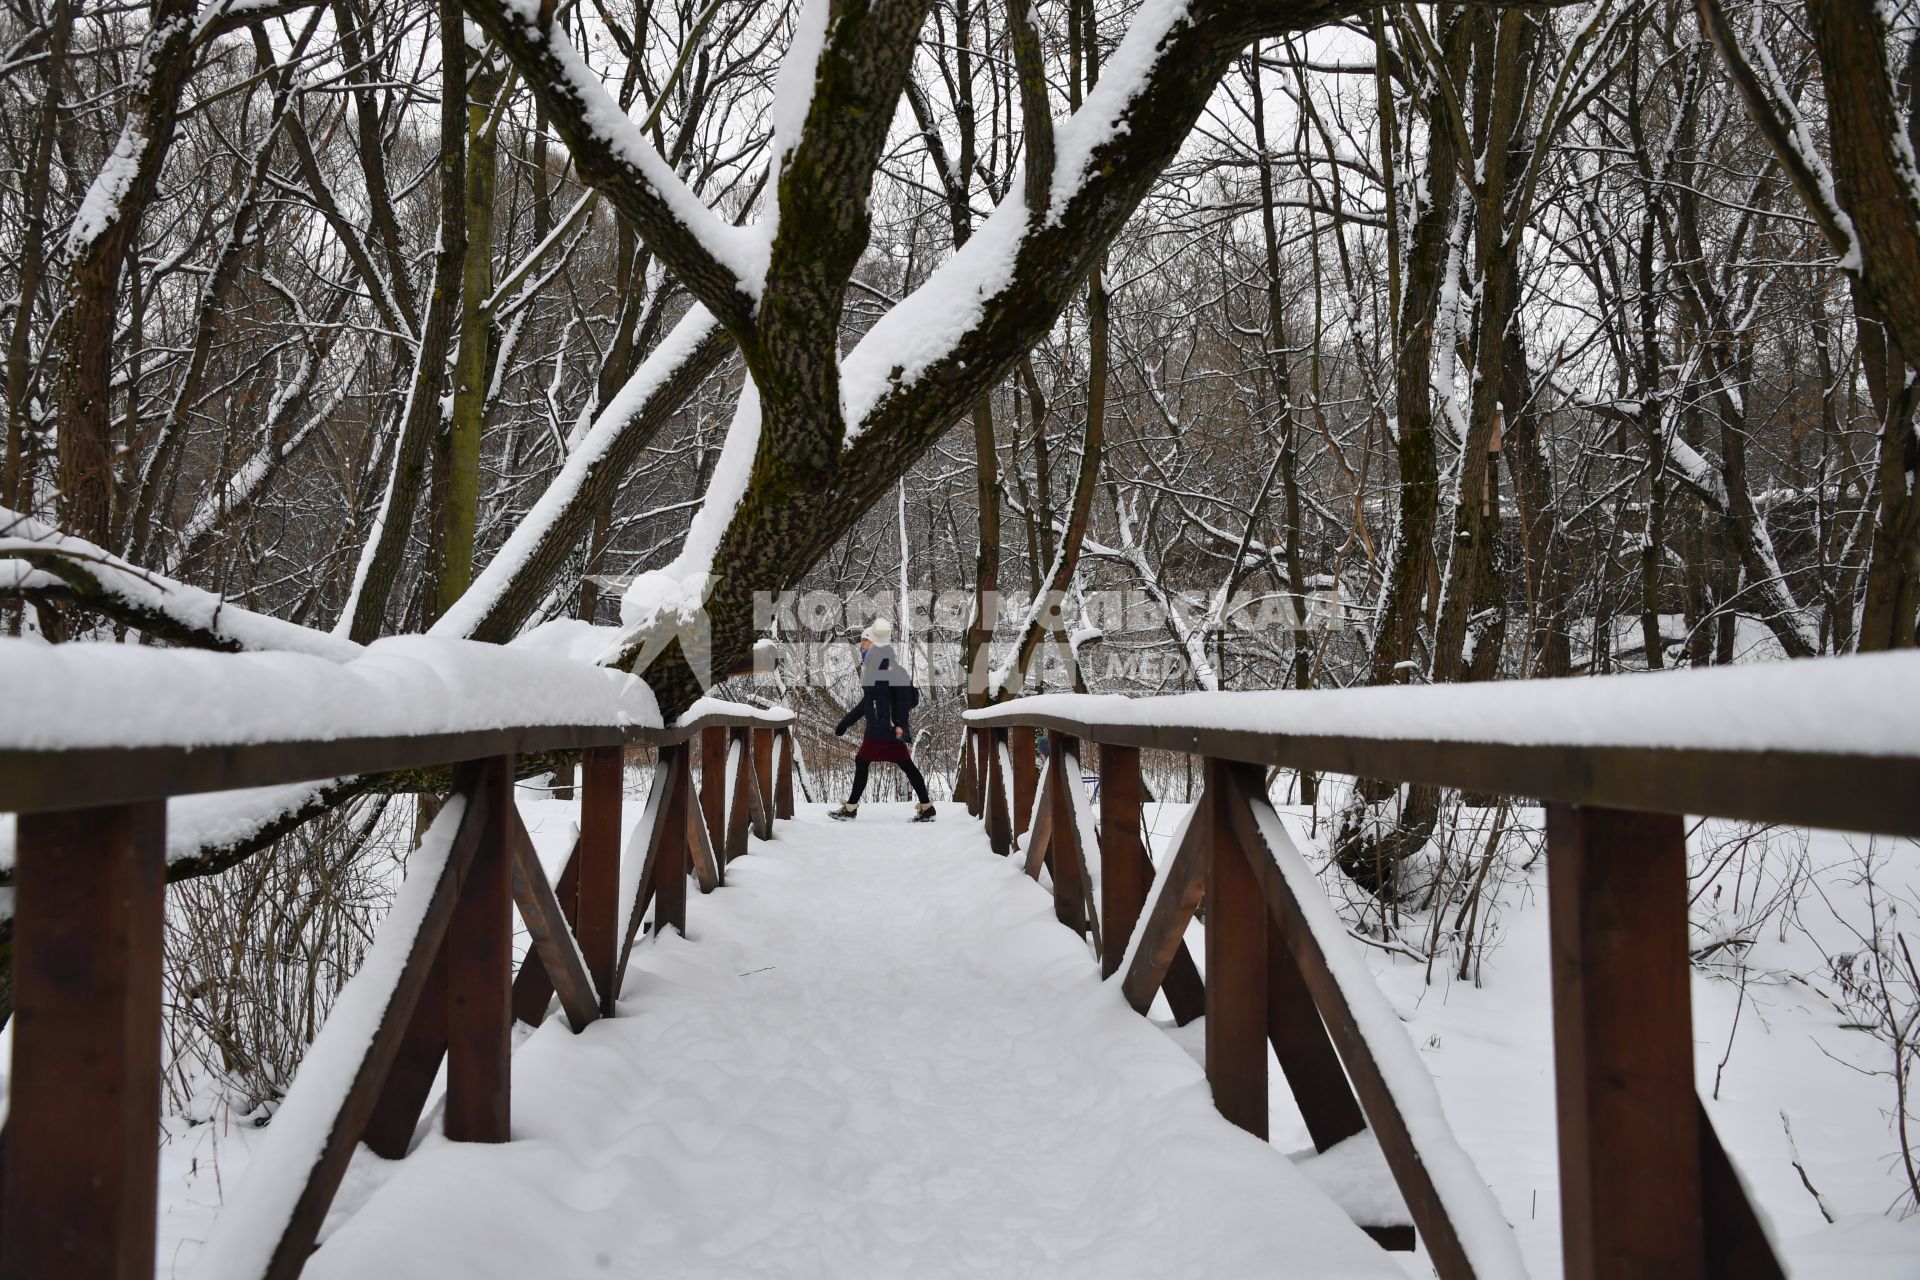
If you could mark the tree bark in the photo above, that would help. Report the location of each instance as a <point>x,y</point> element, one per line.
<point>461,510</point>
<point>381,557</point>
<point>99,244</point>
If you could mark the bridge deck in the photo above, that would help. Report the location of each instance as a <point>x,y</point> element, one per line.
<point>878,1055</point>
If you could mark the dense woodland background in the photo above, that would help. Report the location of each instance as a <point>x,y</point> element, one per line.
<point>1547,341</point>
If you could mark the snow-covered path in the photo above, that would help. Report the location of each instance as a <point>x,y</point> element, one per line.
<point>877,1055</point>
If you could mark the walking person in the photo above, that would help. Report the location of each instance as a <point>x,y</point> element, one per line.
<point>886,696</point>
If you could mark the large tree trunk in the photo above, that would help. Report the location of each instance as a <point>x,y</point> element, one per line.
<point>1871,216</point>
<point>460,510</point>
<point>382,555</point>
<point>1369,845</point>
<point>100,242</point>
<point>1504,75</point>
<point>1046,619</point>
<point>13,473</point>
<point>1426,254</point>
<point>1890,608</point>
<point>1280,392</point>
<point>1549,646</point>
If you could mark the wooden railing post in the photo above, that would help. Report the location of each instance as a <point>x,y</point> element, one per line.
<point>1069,884</point>
<point>388,1089</point>
<point>978,745</point>
<point>1125,872</point>
<point>81,1169</point>
<point>552,930</point>
<point>1623,1045</point>
<point>597,913</point>
<point>700,850</point>
<point>740,800</point>
<point>1026,774</point>
<point>999,822</point>
<point>783,777</point>
<point>1306,1055</point>
<point>416,1064</point>
<point>762,761</point>
<point>1236,963</point>
<point>977,793</point>
<point>963,786</point>
<point>713,785</point>
<point>479,960</point>
<point>674,859</point>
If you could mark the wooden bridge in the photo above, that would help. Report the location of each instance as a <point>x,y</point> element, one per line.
<point>1646,1187</point>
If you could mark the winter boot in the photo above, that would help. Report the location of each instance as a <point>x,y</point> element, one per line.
<point>923,813</point>
<point>845,813</point>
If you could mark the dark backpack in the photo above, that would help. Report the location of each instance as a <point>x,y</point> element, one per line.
<point>905,696</point>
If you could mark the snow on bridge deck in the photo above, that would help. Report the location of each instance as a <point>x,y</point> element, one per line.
<point>877,1055</point>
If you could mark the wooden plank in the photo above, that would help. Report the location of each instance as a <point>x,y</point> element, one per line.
<point>596,898</point>
<point>1078,801</point>
<point>80,1165</point>
<point>759,811</point>
<point>1236,963</point>
<point>1737,1245</point>
<point>34,780</point>
<point>672,863</point>
<point>532,988</point>
<point>1623,1045</point>
<point>1162,933</point>
<point>1377,1100</point>
<point>479,969</point>
<point>403,1096</point>
<point>1038,845</point>
<point>999,816</point>
<point>42,780</point>
<point>666,781</point>
<point>706,869</point>
<point>553,941</point>
<point>1306,1054</point>
<point>783,777</point>
<point>1069,867</point>
<point>963,772</point>
<point>1126,873</point>
<point>984,761</point>
<point>1026,777</point>
<point>762,782</point>
<point>977,792</point>
<point>739,813</point>
<point>1186,994</point>
<point>363,1094</point>
<point>1816,789</point>
<point>713,785</point>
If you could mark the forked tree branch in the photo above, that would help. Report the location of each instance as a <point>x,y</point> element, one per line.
<point>711,258</point>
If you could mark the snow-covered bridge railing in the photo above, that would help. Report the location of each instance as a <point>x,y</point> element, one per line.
<point>1646,1187</point>
<point>95,740</point>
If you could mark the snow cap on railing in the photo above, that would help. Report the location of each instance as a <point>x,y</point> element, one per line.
<point>73,696</point>
<point>1862,704</point>
<point>773,717</point>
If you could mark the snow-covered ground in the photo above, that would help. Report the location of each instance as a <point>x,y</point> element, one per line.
<point>879,1055</point>
<point>1490,1049</point>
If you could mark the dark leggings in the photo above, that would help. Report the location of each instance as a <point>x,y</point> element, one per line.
<point>908,767</point>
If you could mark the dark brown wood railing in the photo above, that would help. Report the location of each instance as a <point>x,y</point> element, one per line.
<point>1646,1186</point>
<point>79,1163</point>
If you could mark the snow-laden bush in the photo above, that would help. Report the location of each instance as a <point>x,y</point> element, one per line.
<point>256,955</point>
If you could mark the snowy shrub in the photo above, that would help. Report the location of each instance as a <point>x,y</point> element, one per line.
<point>256,955</point>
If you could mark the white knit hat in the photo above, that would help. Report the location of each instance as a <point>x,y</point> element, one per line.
<point>880,631</point>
